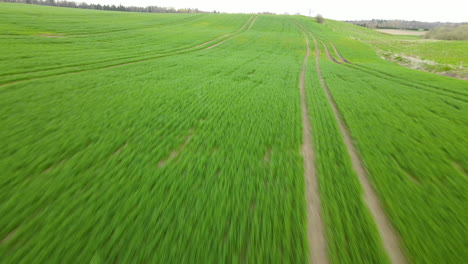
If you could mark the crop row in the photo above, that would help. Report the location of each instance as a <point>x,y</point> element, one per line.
<point>352,235</point>
<point>412,143</point>
<point>193,160</point>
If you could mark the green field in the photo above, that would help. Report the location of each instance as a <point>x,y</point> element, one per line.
<point>181,138</point>
<point>438,56</point>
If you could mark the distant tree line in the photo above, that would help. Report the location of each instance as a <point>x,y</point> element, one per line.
<point>83,5</point>
<point>400,24</point>
<point>448,33</point>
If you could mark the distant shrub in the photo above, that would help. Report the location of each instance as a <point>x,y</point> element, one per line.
<point>319,19</point>
<point>448,33</point>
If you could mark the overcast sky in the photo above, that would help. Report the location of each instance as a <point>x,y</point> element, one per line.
<point>422,10</point>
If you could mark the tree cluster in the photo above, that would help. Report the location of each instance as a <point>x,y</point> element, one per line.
<point>448,33</point>
<point>70,4</point>
<point>319,18</point>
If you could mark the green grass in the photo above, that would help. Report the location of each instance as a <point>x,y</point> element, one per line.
<point>127,139</point>
<point>340,190</point>
<point>68,196</point>
<point>414,167</point>
<point>440,55</point>
<point>409,127</point>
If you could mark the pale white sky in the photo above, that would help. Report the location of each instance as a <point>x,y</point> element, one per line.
<point>421,10</point>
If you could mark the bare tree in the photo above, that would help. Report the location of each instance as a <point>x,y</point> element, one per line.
<point>319,18</point>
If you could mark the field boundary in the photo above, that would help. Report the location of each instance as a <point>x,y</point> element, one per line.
<point>414,84</point>
<point>390,238</point>
<point>410,84</point>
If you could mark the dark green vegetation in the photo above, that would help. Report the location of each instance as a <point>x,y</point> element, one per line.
<point>176,138</point>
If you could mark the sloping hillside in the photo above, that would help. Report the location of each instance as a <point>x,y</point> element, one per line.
<point>222,138</point>
<point>439,56</point>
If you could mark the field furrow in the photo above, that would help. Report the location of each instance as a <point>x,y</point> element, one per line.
<point>315,226</point>
<point>421,139</point>
<point>390,238</point>
<point>137,50</point>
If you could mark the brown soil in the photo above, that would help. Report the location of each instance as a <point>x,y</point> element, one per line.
<point>315,226</point>
<point>390,238</point>
<point>402,32</point>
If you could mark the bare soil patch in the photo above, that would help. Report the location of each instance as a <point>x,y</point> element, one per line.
<point>267,156</point>
<point>402,32</point>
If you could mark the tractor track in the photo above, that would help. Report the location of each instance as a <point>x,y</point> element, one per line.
<point>390,237</point>
<point>251,24</point>
<point>202,46</point>
<point>393,78</point>
<point>315,225</point>
<point>101,61</point>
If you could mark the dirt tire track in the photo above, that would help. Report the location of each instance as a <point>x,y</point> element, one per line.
<point>253,22</point>
<point>315,226</point>
<point>96,62</point>
<point>330,57</point>
<point>176,152</point>
<point>390,237</point>
<point>343,60</point>
<point>225,35</point>
<point>411,84</point>
<point>179,52</point>
<point>393,78</point>
<point>396,79</point>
